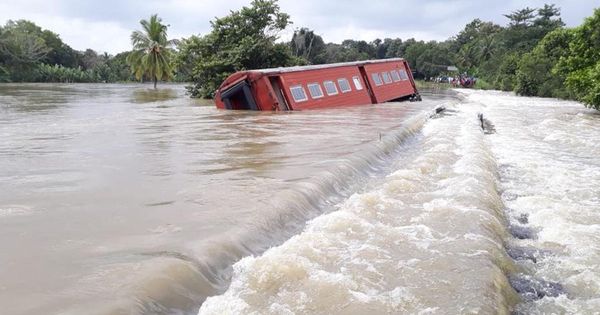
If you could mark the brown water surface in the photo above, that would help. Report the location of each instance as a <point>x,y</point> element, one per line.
<point>119,198</point>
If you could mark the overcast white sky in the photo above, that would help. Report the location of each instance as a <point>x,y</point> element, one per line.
<point>106,25</point>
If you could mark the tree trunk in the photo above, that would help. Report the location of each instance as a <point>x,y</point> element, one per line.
<point>155,80</point>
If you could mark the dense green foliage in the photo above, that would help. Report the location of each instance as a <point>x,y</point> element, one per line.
<point>533,54</point>
<point>307,45</point>
<point>580,64</point>
<point>245,39</point>
<point>30,54</point>
<point>512,57</point>
<point>535,75</point>
<point>22,49</point>
<point>152,51</point>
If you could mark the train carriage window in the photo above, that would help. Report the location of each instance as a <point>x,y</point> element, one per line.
<point>386,77</point>
<point>403,75</point>
<point>344,85</point>
<point>330,88</point>
<point>357,83</point>
<point>377,79</point>
<point>298,93</point>
<point>395,75</point>
<point>315,90</point>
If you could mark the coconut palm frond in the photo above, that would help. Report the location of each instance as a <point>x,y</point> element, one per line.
<point>151,50</point>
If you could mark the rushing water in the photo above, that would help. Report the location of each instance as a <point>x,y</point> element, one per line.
<point>548,154</point>
<point>117,199</point>
<point>466,222</point>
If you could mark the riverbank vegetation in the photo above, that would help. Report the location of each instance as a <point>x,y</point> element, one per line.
<point>152,50</point>
<point>29,53</point>
<point>534,54</point>
<point>245,39</point>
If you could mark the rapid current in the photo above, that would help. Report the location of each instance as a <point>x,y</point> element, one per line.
<point>493,207</point>
<point>116,199</point>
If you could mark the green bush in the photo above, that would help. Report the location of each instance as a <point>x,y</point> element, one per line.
<point>482,84</point>
<point>535,76</point>
<point>506,77</point>
<point>60,74</point>
<point>245,39</point>
<point>581,65</point>
<point>4,75</point>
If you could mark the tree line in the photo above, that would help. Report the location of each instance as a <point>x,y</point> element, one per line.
<point>534,54</point>
<point>29,53</point>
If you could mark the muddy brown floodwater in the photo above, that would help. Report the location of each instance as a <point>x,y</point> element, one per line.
<point>118,199</point>
<point>504,220</point>
<point>121,199</point>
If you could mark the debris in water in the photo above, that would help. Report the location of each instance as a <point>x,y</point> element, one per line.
<point>509,196</point>
<point>522,232</point>
<point>531,288</point>
<point>486,125</point>
<point>527,253</point>
<point>523,218</point>
<point>442,112</point>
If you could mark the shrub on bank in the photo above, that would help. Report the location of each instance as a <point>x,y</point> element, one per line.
<point>482,84</point>
<point>535,70</point>
<point>581,65</point>
<point>60,74</point>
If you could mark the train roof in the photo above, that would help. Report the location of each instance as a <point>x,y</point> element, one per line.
<point>325,66</point>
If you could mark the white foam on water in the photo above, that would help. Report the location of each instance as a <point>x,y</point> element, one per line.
<point>426,239</point>
<point>15,210</point>
<point>549,153</point>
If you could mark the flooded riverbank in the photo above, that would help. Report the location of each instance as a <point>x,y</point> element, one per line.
<point>547,154</point>
<point>496,220</point>
<point>119,199</point>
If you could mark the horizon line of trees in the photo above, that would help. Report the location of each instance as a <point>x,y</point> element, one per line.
<point>533,55</point>
<point>29,53</point>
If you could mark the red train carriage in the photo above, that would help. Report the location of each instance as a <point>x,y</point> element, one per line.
<point>320,86</point>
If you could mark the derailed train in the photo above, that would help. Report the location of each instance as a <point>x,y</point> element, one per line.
<point>318,86</point>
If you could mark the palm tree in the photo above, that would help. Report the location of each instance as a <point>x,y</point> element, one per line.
<point>488,47</point>
<point>151,51</point>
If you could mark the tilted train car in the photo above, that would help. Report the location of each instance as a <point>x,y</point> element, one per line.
<point>319,86</point>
